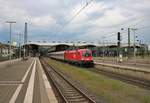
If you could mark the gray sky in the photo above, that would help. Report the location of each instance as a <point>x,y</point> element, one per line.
<point>101,18</point>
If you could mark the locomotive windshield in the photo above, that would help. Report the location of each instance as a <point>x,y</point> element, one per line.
<point>87,53</point>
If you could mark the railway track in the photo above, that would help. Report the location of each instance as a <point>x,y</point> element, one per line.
<point>68,92</point>
<point>131,64</point>
<point>125,78</point>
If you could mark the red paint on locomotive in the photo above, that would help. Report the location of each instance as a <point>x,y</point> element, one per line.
<point>80,56</point>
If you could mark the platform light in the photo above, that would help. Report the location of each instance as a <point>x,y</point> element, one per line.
<point>10,23</point>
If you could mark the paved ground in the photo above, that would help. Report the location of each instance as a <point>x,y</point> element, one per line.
<point>22,82</point>
<point>14,71</point>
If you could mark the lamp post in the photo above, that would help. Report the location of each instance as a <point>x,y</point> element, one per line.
<point>98,50</point>
<point>19,40</point>
<point>128,49</point>
<point>134,54</point>
<point>10,23</point>
<point>20,45</point>
<point>103,47</point>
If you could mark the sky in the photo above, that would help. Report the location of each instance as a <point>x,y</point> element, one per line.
<point>98,22</point>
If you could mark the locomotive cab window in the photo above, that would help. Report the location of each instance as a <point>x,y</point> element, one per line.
<point>86,53</point>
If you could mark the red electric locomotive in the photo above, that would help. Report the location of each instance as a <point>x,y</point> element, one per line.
<point>79,56</point>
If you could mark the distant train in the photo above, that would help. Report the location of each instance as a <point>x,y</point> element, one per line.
<point>79,56</point>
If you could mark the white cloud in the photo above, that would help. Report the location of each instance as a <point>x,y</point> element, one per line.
<point>113,18</point>
<point>11,10</point>
<point>42,21</point>
<point>99,18</point>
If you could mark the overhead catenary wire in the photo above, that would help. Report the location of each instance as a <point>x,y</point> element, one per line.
<point>114,34</point>
<point>144,27</point>
<point>74,16</point>
<point>140,19</point>
<point>87,3</point>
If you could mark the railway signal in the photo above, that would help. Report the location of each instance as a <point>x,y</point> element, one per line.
<point>119,39</point>
<point>119,44</point>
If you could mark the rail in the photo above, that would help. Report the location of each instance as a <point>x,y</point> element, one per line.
<point>125,76</point>
<point>68,91</point>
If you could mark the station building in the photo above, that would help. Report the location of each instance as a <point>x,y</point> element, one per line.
<point>98,49</point>
<point>4,50</point>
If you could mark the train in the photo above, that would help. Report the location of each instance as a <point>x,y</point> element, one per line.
<point>79,56</point>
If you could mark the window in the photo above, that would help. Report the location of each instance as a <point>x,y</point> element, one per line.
<point>86,53</point>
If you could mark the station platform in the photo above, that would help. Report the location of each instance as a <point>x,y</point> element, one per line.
<point>24,81</point>
<point>137,66</point>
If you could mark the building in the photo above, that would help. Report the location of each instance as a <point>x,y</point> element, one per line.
<point>98,49</point>
<point>4,50</point>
